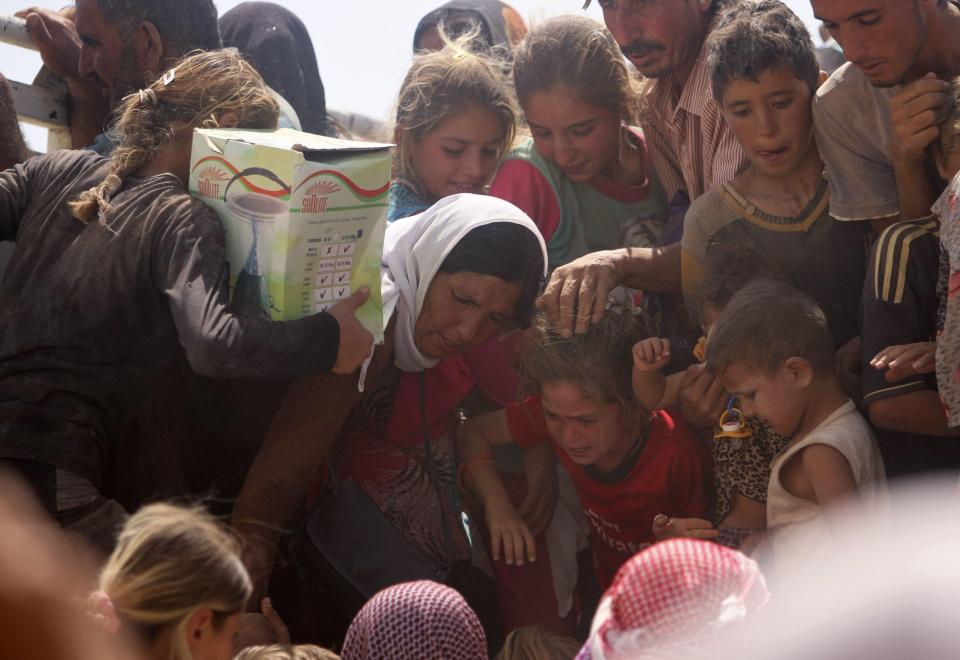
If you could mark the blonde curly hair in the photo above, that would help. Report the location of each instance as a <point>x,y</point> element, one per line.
<point>193,94</point>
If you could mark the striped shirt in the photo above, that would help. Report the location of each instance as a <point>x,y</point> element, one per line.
<point>900,301</point>
<point>693,148</point>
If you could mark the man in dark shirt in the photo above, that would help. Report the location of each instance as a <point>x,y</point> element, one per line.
<point>899,308</point>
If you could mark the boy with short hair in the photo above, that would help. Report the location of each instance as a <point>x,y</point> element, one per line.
<point>764,73</point>
<point>772,348</point>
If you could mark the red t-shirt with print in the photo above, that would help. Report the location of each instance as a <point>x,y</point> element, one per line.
<point>671,476</point>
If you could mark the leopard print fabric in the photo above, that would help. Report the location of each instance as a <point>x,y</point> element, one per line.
<point>742,465</point>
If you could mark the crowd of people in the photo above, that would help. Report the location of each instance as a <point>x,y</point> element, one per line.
<point>669,314</point>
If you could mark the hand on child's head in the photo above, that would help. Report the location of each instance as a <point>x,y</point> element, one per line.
<point>651,354</point>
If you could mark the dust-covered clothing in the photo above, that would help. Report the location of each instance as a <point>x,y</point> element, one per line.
<point>823,258</point>
<point>854,129</point>
<point>91,314</point>
<point>851,119</point>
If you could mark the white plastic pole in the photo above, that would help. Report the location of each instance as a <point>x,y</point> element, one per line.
<point>14,31</point>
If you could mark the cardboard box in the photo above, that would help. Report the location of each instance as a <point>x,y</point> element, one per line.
<point>304,216</point>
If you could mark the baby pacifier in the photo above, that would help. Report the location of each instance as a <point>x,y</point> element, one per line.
<point>733,423</point>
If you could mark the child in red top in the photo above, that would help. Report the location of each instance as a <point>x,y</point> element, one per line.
<point>627,464</point>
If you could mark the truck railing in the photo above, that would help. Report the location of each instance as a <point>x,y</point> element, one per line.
<point>45,104</point>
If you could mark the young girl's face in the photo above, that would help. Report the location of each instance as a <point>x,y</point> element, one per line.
<point>772,119</point>
<point>591,432</point>
<point>459,154</point>
<point>580,138</point>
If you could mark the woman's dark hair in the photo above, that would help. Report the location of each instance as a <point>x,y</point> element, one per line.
<point>505,250</point>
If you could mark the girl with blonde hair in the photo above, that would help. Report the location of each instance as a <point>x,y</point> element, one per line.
<point>175,585</point>
<point>116,271</point>
<point>456,119</point>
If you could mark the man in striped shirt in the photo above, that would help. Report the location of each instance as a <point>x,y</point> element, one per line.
<point>693,149</point>
<point>900,310</point>
<point>664,39</point>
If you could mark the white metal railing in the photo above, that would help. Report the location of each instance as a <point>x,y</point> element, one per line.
<point>41,105</point>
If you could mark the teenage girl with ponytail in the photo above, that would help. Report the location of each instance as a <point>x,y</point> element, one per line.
<point>117,269</point>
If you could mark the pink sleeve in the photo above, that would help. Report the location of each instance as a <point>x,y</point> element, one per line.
<point>522,184</point>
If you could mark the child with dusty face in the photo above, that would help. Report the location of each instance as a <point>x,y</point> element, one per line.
<point>592,432</point>
<point>772,119</point>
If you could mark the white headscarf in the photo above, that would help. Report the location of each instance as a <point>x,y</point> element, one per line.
<point>415,247</point>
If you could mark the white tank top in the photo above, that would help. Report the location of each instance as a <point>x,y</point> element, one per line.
<point>796,526</point>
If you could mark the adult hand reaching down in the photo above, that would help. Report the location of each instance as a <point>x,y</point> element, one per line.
<point>577,293</point>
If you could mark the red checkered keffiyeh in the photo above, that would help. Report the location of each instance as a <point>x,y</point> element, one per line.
<point>673,593</point>
<point>415,620</point>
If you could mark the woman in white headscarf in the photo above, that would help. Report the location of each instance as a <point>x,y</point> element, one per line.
<point>455,276</point>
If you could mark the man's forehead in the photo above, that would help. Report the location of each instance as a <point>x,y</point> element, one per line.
<point>841,10</point>
<point>88,15</point>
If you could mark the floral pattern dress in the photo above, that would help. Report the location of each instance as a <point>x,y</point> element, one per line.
<point>947,209</point>
<point>382,448</point>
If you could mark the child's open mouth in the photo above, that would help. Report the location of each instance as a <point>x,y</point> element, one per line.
<point>773,155</point>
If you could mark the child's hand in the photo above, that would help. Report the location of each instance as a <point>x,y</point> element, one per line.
<point>906,360</point>
<point>508,529</point>
<point>651,354</point>
<point>665,527</point>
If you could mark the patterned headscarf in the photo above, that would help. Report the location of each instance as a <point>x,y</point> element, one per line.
<point>677,592</point>
<point>415,620</point>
